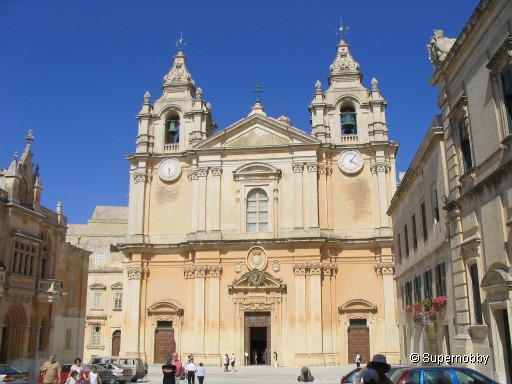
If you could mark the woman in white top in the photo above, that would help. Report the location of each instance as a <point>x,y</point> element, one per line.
<point>79,370</point>
<point>200,373</point>
<point>94,377</point>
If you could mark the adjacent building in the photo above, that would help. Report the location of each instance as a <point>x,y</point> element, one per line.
<point>259,237</point>
<point>474,75</point>
<point>42,278</point>
<point>105,289</point>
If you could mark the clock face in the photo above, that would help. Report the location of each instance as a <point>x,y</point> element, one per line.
<point>169,169</point>
<point>350,161</point>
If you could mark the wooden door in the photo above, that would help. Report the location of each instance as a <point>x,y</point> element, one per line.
<point>165,345</point>
<point>116,343</point>
<point>358,341</point>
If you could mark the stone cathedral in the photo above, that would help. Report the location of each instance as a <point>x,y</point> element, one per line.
<point>260,237</point>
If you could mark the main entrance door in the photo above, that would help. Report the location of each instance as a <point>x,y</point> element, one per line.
<point>257,327</point>
<point>358,340</point>
<point>165,345</point>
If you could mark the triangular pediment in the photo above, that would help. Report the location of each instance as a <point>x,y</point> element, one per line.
<point>257,131</point>
<point>98,286</point>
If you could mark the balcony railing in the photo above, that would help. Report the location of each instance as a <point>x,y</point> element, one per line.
<point>346,139</point>
<point>171,147</point>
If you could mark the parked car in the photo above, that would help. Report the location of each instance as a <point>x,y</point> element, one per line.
<point>394,367</point>
<point>440,375</point>
<point>134,363</point>
<point>122,372</point>
<point>10,374</point>
<point>351,376</point>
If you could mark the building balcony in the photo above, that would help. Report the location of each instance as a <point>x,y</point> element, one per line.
<point>171,147</point>
<point>349,139</point>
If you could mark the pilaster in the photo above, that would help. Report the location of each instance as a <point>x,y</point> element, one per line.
<point>215,191</point>
<point>202,174</point>
<point>380,168</point>
<point>297,179</point>
<point>131,342</point>
<point>313,194</point>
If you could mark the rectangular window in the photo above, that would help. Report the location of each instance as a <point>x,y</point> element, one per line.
<point>440,280</point>
<point>424,222</point>
<point>477,302</point>
<point>406,237</point>
<point>435,205</point>
<point>399,250</point>
<point>408,293</point>
<point>23,258</point>
<point>417,289</point>
<point>465,145</point>
<point>427,281</point>
<point>414,234</point>
<point>97,302</point>
<point>100,258</point>
<point>118,300</point>
<point>68,339</point>
<point>96,335</point>
<point>506,80</point>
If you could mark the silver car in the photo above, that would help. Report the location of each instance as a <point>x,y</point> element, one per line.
<point>122,373</point>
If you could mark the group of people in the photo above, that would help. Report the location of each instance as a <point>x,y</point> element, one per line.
<point>227,360</point>
<point>51,372</point>
<point>173,370</point>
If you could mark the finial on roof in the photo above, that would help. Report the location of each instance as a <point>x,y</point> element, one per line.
<point>181,42</point>
<point>147,97</point>
<point>30,137</point>
<point>257,93</point>
<point>16,155</point>
<point>59,206</point>
<point>375,84</point>
<point>318,86</point>
<point>199,94</point>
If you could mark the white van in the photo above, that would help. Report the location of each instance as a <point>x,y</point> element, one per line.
<point>134,363</point>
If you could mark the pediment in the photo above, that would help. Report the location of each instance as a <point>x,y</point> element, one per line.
<point>117,285</point>
<point>257,131</point>
<point>166,307</point>
<point>357,305</point>
<point>497,277</point>
<point>97,286</point>
<point>257,280</point>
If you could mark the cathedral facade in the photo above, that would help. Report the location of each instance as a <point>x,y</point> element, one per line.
<point>261,238</point>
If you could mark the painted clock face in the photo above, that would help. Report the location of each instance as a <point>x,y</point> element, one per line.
<point>350,161</point>
<point>169,169</point>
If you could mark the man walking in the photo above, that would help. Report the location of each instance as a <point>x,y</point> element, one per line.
<point>179,367</point>
<point>233,360</point>
<point>51,371</point>
<point>358,359</point>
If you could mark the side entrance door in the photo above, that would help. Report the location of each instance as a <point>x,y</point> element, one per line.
<point>165,345</point>
<point>358,341</point>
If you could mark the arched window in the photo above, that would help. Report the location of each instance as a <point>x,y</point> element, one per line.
<point>348,121</point>
<point>257,211</point>
<point>172,129</point>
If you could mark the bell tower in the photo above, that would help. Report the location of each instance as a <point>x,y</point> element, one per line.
<point>347,112</point>
<point>179,119</point>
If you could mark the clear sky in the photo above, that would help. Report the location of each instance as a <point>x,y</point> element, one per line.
<point>75,72</point>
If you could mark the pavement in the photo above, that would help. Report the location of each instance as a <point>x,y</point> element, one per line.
<point>253,374</point>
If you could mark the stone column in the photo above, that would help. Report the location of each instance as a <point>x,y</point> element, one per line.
<point>140,178</point>
<point>380,169</point>
<point>313,195</point>
<point>329,315</point>
<point>297,176</point>
<point>131,341</point>
<point>387,270</point>
<point>192,176</point>
<point>213,310</point>
<point>202,173</point>
<point>315,330</point>
<point>214,210</point>
<point>300,307</point>
<point>199,277</point>
<point>322,196</point>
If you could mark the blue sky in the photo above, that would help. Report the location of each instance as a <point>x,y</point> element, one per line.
<point>75,72</point>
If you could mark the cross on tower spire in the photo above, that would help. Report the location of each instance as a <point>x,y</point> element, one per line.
<point>257,92</point>
<point>181,42</point>
<point>342,30</point>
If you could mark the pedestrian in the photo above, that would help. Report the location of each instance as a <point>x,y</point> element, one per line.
<point>274,355</point>
<point>246,354</point>
<point>79,370</point>
<point>226,363</point>
<point>233,361</point>
<point>72,378</point>
<point>169,371</point>
<point>94,377</point>
<point>380,365</point>
<point>51,370</point>
<point>179,367</point>
<point>256,357</point>
<point>146,368</point>
<point>191,371</point>
<point>200,373</point>
<point>358,359</point>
